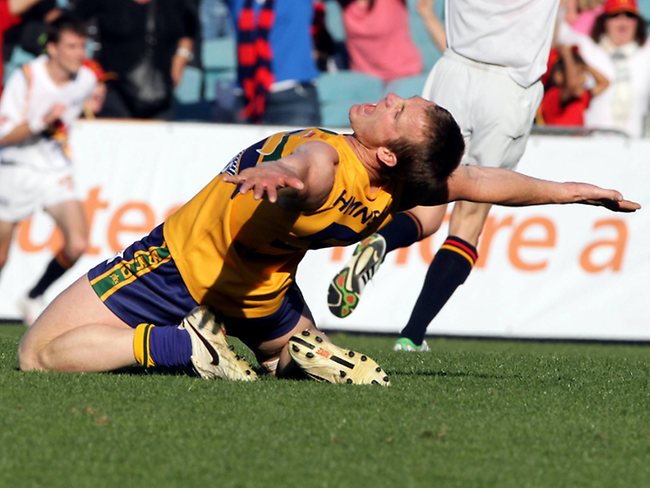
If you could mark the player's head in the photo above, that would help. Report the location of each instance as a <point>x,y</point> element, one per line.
<point>66,43</point>
<point>418,143</point>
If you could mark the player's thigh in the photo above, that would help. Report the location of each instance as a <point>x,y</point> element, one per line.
<point>77,306</point>
<point>447,85</point>
<point>7,230</point>
<point>69,216</point>
<point>501,120</point>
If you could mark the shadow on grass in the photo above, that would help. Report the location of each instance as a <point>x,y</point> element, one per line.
<point>162,371</point>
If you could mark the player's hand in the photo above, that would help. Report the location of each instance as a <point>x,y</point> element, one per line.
<point>55,113</point>
<point>611,199</point>
<point>266,180</point>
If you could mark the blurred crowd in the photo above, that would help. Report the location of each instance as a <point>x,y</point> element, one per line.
<point>598,74</point>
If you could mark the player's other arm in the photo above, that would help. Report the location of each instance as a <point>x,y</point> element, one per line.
<point>15,127</point>
<point>427,11</point>
<point>509,188</point>
<point>26,129</point>
<point>301,180</point>
<point>17,7</point>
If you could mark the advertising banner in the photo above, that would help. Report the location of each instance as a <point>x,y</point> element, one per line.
<point>553,271</point>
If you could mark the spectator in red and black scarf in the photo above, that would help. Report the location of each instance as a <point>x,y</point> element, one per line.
<point>276,65</point>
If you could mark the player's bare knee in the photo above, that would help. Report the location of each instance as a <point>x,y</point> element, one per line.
<point>75,249</point>
<point>36,358</point>
<point>430,227</point>
<point>429,219</point>
<point>28,357</point>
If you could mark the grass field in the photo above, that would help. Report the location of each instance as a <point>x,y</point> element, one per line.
<point>471,413</point>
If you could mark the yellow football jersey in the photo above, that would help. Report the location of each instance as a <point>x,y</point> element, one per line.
<point>239,255</point>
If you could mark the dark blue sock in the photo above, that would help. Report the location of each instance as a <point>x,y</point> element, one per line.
<point>402,231</point>
<point>170,346</point>
<point>53,272</point>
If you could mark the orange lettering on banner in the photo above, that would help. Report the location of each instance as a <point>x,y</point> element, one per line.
<point>55,240</point>
<point>93,205</point>
<point>617,245</point>
<point>24,238</point>
<point>337,254</point>
<point>117,225</point>
<point>402,255</point>
<point>519,242</point>
<point>427,251</point>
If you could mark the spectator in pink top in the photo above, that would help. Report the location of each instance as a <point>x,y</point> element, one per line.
<point>581,14</point>
<point>378,39</point>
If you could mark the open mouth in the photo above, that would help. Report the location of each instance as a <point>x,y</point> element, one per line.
<point>368,108</point>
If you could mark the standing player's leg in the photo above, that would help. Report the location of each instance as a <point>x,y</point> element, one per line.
<point>15,207</point>
<point>69,217</point>
<point>500,113</point>
<point>7,230</point>
<point>449,269</point>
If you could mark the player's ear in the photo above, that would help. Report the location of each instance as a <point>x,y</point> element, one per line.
<point>50,49</point>
<point>386,156</point>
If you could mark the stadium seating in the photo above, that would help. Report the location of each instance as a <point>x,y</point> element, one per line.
<point>218,55</point>
<point>406,87</point>
<point>189,89</point>
<point>337,91</point>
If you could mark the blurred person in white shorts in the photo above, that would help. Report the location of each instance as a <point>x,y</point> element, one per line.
<point>38,106</point>
<point>495,53</point>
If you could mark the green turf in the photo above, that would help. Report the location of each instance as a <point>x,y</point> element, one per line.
<point>471,413</point>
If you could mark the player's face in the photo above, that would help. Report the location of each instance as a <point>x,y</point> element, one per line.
<point>69,52</point>
<point>391,118</point>
<point>621,28</point>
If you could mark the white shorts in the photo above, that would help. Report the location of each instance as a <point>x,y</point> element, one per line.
<point>494,113</point>
<point>24,189</point>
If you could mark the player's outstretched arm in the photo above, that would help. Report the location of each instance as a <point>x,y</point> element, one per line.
<point>301,180</point>
<point>509,188</point>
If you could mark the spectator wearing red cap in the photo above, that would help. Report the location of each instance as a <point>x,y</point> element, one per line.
<point>9,16</point>
<point>617,48</point>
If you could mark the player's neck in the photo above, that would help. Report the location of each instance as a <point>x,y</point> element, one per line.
<point>58,75</point>
<point>368,158</point>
